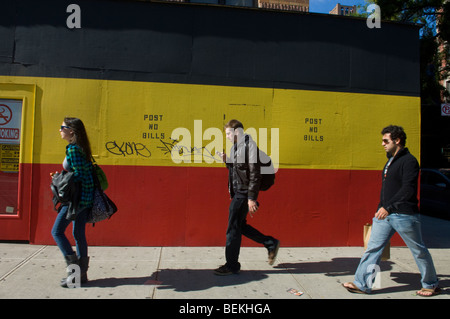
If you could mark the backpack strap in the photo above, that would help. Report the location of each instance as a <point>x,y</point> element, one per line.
<point>247,159</point>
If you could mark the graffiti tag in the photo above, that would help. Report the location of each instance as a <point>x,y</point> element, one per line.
<point>172,146</point>
<point>128,149</point>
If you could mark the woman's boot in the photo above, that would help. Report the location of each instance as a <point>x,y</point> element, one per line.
<point>70,260</point>
<point>84,265</point>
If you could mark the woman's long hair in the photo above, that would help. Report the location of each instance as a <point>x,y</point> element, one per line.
<point>79,135</point>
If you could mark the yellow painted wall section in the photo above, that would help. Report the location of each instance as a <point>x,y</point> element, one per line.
<point>131,123</point>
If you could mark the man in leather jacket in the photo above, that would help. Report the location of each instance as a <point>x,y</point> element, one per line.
<point>397,212</point>
<point>244,179</point>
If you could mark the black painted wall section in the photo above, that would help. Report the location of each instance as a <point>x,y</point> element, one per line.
<point>199,44</point>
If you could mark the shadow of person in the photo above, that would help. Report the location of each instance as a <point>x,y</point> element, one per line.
<point>116,282</point>
<point>343,266</point>
<point>181,279</point>
<point>184,280</point>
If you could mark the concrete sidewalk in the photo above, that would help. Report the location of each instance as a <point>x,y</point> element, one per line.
<point>34,272</point>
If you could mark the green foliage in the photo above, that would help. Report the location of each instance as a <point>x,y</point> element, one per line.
<point>434,18</point>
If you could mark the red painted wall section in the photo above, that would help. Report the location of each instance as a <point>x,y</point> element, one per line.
<point>181,206</point>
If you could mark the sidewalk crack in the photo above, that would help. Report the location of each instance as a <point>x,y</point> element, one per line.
<point>22,263</point>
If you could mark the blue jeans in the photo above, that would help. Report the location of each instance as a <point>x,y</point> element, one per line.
<point>409,229</point>
<point>79,233</point>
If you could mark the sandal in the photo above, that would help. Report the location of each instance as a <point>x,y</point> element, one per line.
<point>353,289</point>
<point>425,292</point>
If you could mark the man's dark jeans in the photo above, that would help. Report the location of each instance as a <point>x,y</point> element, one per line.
<point>237,226</point>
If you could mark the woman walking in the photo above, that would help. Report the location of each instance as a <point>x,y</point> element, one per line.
<point>77,160</point>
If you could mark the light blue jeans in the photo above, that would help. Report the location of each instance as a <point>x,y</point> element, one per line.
<point>409,229</point>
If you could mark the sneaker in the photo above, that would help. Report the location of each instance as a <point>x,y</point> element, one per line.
<point>224,271</point>
<point>273,252</point>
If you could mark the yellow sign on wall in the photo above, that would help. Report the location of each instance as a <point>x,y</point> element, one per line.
<point>9,157</point>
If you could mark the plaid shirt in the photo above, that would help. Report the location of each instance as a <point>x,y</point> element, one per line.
<point>83,173</point>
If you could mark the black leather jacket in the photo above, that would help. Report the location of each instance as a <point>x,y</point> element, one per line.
<point>244,172</point>
<point>399,184</point>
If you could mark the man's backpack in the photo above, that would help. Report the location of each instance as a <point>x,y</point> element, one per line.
<point>267,169</point>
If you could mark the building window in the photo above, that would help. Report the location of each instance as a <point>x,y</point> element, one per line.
<point>239,3</point>
<point>205,1</point>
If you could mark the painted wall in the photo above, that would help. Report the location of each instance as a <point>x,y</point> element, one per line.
<point>135,72</point>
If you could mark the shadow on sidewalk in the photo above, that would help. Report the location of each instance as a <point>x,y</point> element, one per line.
<point>411,282</point>
<point>181,279</point>
<point>342,266</point>
<point>115,282</point>
<point>185,280</point>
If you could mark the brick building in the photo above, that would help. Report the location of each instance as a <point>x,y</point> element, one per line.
<point>343,10</point>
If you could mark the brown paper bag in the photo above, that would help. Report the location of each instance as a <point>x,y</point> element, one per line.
<point>387,249</point>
